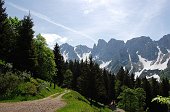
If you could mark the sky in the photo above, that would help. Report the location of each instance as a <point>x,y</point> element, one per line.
<point>85,21</point>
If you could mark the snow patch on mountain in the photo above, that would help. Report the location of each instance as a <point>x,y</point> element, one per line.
<point>77,53</point>
<point>105,64</point>
<point>168,50</point>
<point>86,56</point>
<point>154,76</point>
<point>65,55</point>
<point>96,57</point>
<point>152,65</point>
<point>130,60</point>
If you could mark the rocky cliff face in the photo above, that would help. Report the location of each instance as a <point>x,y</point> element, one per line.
<point>141,55</point>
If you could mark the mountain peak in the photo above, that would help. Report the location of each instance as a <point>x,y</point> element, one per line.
<point>101,42</point>
<point>141,56</point>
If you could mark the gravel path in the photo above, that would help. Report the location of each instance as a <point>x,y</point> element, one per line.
<point>119,110</point>
<point>48,104</point>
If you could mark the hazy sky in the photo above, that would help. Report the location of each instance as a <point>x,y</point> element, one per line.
<point>85,21</point>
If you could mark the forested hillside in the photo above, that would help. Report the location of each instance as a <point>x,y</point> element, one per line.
<point>27,66</point>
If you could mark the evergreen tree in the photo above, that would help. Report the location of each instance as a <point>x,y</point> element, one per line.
<point>101,91</point>
<point>117,88</point>
<point>138,83</point>
<point>109,81</point>
<point>76,73</point>
<point>155,87</point>
<point>120,75</point>
<point>3,30</point>
<point>5,34</point>
<point>68,76</point>
<point>165,87</point>
<point>106,83</point>
<point>132,80</point>
<point>15,24</point>
<point>112,86</point>
<point>92,79</point>
<point>126,79</point>
<point>26,58</point>
<point>59,62</point>
<point>147,87</point>
<point>83,80</point>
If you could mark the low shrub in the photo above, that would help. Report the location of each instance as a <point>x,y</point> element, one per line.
<point>8,81</point>
<point>27,88</point>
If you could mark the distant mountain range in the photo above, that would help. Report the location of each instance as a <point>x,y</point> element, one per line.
<point>141,56</point>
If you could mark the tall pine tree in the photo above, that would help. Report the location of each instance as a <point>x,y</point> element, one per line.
<point>59,66</point>
<point>26,57</point>
<point>165,87</point>
<point>4,34</point>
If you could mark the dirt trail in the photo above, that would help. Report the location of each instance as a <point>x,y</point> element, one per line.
<point>48,104</point>
<point>119,110</point>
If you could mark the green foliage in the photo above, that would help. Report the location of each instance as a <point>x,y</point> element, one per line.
<point>46,65</point>
<point>78,103</point>
<point>165,73</point>
<point>20,88</point>
<point>162,100</point>
<point>141,95</point>
<point>117,88</point>
<point>25,54</point>
<point>4,30</point>
<point>59,78</point>
<point>4,67</point>
<point>132,100</point>
<point>27,88</point>
<point>128,101</point>
<point>68,77</point>
<point>8,81</point>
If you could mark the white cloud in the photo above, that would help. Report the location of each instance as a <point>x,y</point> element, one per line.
<point>87,11</point>
<point>126,19</point>
<point>53,38</point>
<point>44,17</point>
<point>150,11</point>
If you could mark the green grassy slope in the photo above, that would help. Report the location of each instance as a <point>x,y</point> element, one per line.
<point>78,103</point>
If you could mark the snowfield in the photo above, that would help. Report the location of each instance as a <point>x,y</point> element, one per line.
<point>65,56</point>
<point>154,76</point>
<point>153,65</point>
<point>105,64</point>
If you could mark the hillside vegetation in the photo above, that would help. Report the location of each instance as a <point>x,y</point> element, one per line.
<point>78,103</point>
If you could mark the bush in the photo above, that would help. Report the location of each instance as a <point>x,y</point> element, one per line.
<point>8,81</point>
<point>18,83</point>
<point>42,85</point>
<point>34,81</point>
<point>24,76</point>
<point>27,88</point>
<point>4,67</point>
